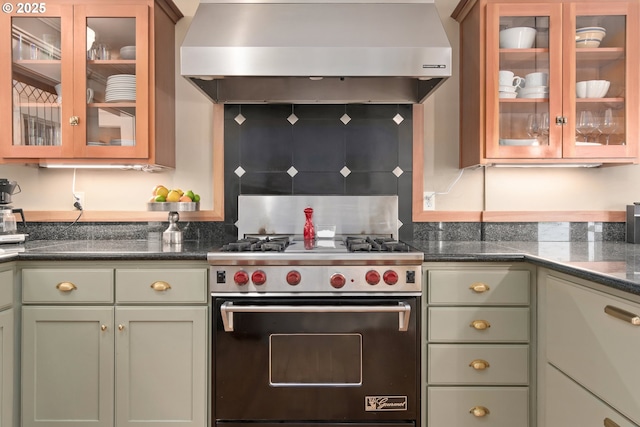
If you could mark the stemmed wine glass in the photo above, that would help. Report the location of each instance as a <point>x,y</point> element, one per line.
<point>585,125</point>
<point>533,126</point>
<point>544,126</point>
<point>608,125</point>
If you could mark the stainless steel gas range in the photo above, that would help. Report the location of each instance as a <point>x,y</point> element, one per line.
<point>322,331</point>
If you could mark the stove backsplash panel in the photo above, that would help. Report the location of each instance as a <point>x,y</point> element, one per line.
<point>352,149</point>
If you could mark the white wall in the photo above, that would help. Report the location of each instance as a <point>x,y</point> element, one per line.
<point>491,189</point>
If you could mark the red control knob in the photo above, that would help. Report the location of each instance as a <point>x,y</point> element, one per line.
<point>293,277</point>
<point>372,277</point>
<point>390,277</point>
<point>337,280</point>
<point>241,278</point>
<point>259,277</point>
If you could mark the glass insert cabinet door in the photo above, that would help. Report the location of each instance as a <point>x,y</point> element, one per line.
<point>598,38</point>
<point>524,80</point>
<point>77,79</point>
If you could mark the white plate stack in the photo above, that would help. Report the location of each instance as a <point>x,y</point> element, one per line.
<point>121,88</point>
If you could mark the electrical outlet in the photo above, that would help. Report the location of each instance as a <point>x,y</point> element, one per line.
<point>429,201</point>
<point>80,196</point>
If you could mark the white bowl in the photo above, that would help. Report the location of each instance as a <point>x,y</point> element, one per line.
<point>592,88</point>
<point>517,38</point>
<point>128,52</point>
<point>503,88</point>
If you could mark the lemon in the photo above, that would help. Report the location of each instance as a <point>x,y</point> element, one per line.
<point>173,196</point>
<point>161,190</point>
<point>179,191</point>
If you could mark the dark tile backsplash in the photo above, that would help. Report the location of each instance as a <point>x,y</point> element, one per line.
<point>319,150</point>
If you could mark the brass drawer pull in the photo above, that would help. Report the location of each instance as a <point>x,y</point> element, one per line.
<point>121,327</point>
<point>479,364</point>
<point>610,423</point>
<point>479,411</point>
<point>66,287</point>
<point>74,120</point>
<point>479,287</point>
<point>480,325</point>
<point>160,286</point>
<point>103,327</point>
<point>621,314</point>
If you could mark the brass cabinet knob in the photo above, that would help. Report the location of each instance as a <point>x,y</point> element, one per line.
<point>479,364</point>
<point>103,327</point>
<point>66,287</point>
<point>479,287</point>
<point>480,325</point>
<point>160,286</point>
<point>479,411</point>
<point>608,422</point>
<point>74,120</point>
<point>121,327</point>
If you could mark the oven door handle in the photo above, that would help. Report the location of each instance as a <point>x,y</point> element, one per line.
<point>227,309</point>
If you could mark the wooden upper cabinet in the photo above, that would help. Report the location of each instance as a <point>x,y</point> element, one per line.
<point>89,82</point>
<point>539,112</point>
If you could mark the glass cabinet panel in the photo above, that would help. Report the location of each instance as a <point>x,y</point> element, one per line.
<point>36,76</point>
<point>111,81</point>
<point>600,80</point>
<point>523,78</point>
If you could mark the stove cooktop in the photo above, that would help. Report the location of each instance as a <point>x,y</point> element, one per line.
<point>291,244</point>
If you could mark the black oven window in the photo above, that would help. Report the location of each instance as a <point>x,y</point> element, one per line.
<point>315,359</point>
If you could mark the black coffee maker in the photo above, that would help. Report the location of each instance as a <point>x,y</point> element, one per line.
<point>8,189</point>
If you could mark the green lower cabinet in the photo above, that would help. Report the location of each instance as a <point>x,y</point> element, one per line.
<point>67,366</point>
<point>161,368</point>
<point>6,368</point>
<point>106,366</point>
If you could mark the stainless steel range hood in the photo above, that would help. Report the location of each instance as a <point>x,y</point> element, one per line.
<point>297,51</point>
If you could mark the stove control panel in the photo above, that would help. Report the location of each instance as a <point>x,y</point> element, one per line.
<point>322,279</point>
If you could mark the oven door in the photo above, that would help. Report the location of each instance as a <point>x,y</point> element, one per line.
<point>316,359</point>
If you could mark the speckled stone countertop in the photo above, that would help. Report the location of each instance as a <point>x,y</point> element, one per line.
<point>612,264</point>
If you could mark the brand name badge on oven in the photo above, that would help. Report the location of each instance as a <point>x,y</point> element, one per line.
<point>385,403</point>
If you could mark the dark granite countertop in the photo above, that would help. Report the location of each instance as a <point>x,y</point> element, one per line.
<point>612,264</point>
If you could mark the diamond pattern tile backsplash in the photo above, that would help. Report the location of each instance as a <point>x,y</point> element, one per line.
<point>321,150</point>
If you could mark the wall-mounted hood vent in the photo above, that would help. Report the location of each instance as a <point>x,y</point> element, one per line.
<point>336,51</point>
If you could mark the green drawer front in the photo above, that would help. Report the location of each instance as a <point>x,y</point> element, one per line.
<point>502,324</point>
<point>501,287</point>
<point>478,364</point>
<point>67,286</point>
<point>188,285</point>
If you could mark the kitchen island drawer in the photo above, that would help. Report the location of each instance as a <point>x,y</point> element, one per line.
<point>67,286</point>
<point>478,324</point>
<point>475,406</point>
<point>168,286</point>
<point>594,338</point>
<point>478,364</point>
<point>568,404</point>
<point>479,286</point>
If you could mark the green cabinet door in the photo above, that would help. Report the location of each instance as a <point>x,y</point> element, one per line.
<point>161,366</point>
<point>67,366</point>
<point>6,368</point>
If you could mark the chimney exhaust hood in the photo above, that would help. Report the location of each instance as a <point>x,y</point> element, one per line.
<point>330,52</point>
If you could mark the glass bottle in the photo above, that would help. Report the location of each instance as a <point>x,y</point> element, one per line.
<point>309,229</point>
